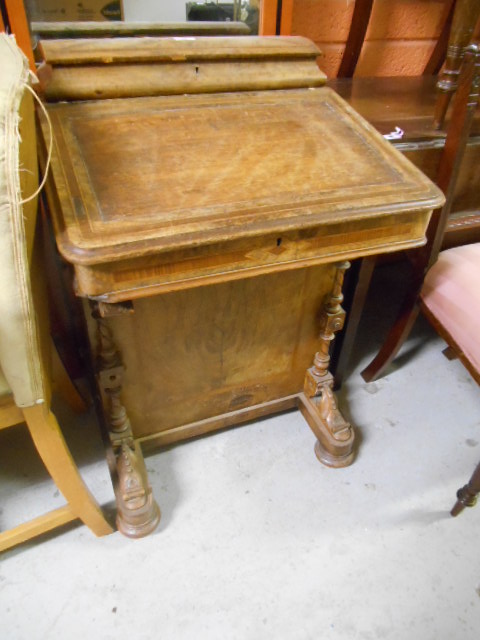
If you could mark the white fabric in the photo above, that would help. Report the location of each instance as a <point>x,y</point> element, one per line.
<point>4,386</point>
<point>19,346</point>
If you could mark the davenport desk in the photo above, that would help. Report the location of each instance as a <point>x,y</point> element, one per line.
<point>209,193</point>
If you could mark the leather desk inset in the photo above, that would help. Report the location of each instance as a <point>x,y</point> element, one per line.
<point>212,232</point>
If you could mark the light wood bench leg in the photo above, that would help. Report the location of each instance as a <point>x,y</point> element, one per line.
<point>53,450</point>
<point>36,527</point>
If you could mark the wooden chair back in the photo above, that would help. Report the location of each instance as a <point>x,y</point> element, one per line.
<point>465,103</point>
<point>455,32</point>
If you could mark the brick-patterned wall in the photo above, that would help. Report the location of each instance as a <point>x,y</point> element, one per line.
<point>400,37</point>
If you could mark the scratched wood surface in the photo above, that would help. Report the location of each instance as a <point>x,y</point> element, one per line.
<point>249,180</point>
<point>409,103</point>
<point>62,30</point>
<point>235,206</point>
<point>82,51</point>
<point>204,352</point>
<point>93,69</point>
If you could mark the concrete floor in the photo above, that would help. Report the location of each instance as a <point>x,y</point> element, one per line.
<point>259,540</point>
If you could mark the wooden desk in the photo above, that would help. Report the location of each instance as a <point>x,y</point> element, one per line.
<point>211,233</point>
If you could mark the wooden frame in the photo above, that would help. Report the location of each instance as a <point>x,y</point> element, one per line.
<point>19,26</point>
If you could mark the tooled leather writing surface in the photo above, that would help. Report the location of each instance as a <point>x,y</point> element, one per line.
<point>163,173</point>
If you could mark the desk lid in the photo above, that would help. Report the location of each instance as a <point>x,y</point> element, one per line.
<point>145,175</point>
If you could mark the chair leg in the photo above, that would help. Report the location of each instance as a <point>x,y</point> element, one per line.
<point>396,337</point>
<point>467,495</point>
<point>53,450</point>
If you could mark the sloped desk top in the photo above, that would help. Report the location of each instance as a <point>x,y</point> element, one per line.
<point>182,179</point>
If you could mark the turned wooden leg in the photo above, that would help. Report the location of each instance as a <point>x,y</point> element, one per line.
<point>467,495</point>
<point>137,512</point>
<point>465,18</point>
<point>318,404</point>
<point>344,343</point>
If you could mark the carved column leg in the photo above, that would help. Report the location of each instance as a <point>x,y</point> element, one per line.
<point>137,512</point>
<point>335,436</point>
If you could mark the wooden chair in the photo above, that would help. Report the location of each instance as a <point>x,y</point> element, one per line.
<point>458,23</point>
<point>25,389</point>
<point>464,19</point>
<point>417,106</point>
<point>463,110</point>
<point>445,285</point>
<point>423,144</point>
<point>450,300</point>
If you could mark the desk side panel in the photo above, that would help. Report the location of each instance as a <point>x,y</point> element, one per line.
<point>203,352</point>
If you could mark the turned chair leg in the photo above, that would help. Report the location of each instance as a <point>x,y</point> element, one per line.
<point>396,337</point>
<point>467,495</point>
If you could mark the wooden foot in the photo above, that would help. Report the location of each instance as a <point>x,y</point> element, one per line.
<point>333,448</point>
<point>137,512</point>
<point>467,495</point>
<point>318,403</point>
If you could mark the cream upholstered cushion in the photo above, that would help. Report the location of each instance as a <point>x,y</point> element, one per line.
<point>452,293</point>
<point>4,386</point>
<point>19,341</point>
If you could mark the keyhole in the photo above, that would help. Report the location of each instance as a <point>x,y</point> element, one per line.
<point>197,69</point>
<point>279,242</point>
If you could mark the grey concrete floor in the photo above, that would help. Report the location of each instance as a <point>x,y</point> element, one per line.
<point>258,539</point>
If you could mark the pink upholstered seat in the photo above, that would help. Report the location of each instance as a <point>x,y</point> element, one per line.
<point>451,293</point>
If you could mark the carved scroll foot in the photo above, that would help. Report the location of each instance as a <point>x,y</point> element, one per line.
<point>137,512</point>
<point>318,402</point>
<point>335,436</point>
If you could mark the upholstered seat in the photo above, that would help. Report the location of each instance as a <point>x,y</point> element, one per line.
<point>24,335</point>
<point>451,292</point>
<point>450,299</point>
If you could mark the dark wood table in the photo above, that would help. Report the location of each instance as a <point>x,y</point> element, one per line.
<point>211,233</point>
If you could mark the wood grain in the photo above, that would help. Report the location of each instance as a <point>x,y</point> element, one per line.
<point>96,82</point>
<point>217,349</point>
<point>37,526</point>
<point>174,178</point>
<point>256,196</point>
<point>148,49</point>
<point>62,30</point>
